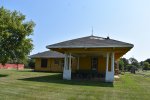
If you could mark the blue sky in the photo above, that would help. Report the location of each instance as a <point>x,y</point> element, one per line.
<point>59,20</point>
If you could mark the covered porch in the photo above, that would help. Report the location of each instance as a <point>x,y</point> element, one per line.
<point>89,65</point>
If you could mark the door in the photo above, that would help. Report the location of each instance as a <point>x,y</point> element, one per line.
<point>94,64</point>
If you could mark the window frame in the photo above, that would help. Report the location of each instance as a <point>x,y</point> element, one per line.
<point>44,63</point>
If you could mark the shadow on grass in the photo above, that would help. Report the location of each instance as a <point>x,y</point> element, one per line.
<point>25,70</point>
<point>57,78</point>
<point>32,70</point>
<point>3,75</point>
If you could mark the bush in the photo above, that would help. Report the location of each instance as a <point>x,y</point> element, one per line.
<point>146,66</point>
<point>129,67</point>
<point>30,64</point>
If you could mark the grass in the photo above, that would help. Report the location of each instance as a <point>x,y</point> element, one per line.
<point>28,85</point>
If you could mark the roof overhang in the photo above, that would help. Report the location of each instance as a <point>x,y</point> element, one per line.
<point>50,47</point>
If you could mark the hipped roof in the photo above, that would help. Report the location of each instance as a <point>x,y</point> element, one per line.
<point>90,42</point>
<point>48,54</point>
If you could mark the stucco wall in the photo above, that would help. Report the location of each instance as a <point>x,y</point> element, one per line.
<point>84,63</point>
<point>51,66</point>
<point>74,64</point>
<point>101,64</point>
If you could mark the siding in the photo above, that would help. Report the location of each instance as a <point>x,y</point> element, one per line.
<point>51,66</point>
<point>84,63</point>
<point>101,64</point>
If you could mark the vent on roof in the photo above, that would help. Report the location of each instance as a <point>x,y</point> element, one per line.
<point>107,37</point>
<point>97,38</point>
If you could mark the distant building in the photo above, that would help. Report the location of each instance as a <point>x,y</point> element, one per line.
<point>12,66</point>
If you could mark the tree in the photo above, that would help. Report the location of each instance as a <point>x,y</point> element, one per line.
<point>141,64</point>
<point>130,67</point>
<point>121,65</point>
<point>147,60</point>
<point>126,62</point>
<point>30,63</point>
<point>134,62</point>
<point>15,43</point>
<point>146,66</point>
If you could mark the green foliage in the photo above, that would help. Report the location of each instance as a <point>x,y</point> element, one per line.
<point>134,62</point>
<point>146,66</point>
<point>147,60</point>
<point>14,32</point>
<point>129,67</point>
<point>125,61</point>
<point>141,63</point>
<point>30,63</point>
<point>121,64</point>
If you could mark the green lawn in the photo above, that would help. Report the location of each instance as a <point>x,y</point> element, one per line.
<point>28,85</point>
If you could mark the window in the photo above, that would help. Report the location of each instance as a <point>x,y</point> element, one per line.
<point>94,63</point>
<point>62,63</point>
<point>56,61</point>
<point>44,63</point>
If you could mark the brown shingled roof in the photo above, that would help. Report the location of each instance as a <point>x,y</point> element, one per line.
<point>90,42</point>
<point>48,54</point>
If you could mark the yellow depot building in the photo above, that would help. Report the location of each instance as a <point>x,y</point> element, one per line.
<point>89,57</point>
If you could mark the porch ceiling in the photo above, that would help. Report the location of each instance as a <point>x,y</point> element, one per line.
<point>84,54</point>
<point>95,54</point>
<point>93,51</point>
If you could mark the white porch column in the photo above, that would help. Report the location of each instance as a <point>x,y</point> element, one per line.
<point>107,61</point>
<point>112,62</point>
<point>110,74</point>
<point>78,64</point>
<point>65,63</point>
<point>69,61</point>
<point>67,68</point>
<point>117,68</point>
